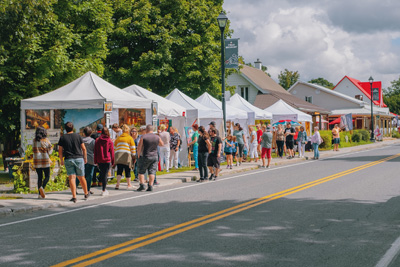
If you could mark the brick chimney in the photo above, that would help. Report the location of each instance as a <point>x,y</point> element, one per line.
<point>258,64</point>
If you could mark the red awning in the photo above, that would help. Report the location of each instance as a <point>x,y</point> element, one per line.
<point>337,121</point>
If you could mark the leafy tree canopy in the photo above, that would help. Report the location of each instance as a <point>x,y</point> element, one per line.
<point>391,96</point>
<point>322,82</point>
<point>287,78</point>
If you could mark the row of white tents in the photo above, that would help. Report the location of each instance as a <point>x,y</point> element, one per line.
<point>91,92</point>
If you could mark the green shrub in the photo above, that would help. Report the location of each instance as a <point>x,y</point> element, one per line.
<point>395,134</point>
<point>365,134</point>
<point>356,137</point>
<point>327,137</point>
<point>343,137</point>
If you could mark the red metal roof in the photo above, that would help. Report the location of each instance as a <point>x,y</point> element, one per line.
<point>365,88</point>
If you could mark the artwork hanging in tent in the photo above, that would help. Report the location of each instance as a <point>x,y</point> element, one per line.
<point>80,117</point>
<point>35,118</point>
<point>188,134</point>
<point>166,122</point>
<point>263,122</point>
<point>132,117</point>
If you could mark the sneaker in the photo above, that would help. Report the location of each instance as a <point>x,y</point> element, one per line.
<point>104,193</point>
<point>149,188</point>
<point>39,196</point>
<point>227,166</point>
<point>230,167</point>
<point>211,177</point>
<point>87,196</point>
<point>91,192</point>
<point>267,167</point>
<point>41,192</point>
<point>156,183</point>
<point>116,187</point>
<point>136,180</point>
<point>215,178</point>
<point>73,200</point>
<point>200,180</point>
<point>237,164</point>
<point>141,188</point>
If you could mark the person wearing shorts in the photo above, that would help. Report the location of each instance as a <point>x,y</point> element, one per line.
<point>72,148</point>
<point>289,133</point>
<point>336,137</point>
<point>148,157</point>
<point>214,160</point>
<point>240,139</point>
<point>266,146</point>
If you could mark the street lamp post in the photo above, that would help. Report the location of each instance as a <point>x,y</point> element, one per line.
<point>222,20</point>
<point>371,80</point>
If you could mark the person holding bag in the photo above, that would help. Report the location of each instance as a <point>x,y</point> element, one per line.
<point>42,150</point>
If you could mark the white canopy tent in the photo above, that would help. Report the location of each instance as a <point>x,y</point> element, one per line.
<point>239,102</point>
<point>282,111</point>
<point>87,92</point>
<point>195,110</point>
<point>232,113</point>
<point>166,110</point>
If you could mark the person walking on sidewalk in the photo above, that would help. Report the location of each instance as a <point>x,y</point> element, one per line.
<point>266,146</point>
<point>165,149</point>
<point>289,134</point>
<point>117,130</point>
<point>148,157</point>
<point>316,140</point>
<point>71,147</point>
<point>241,140</point>
<point>280,140</point>
<point>195,146</point>
<point>174,148</point>
<point>336,137</point>
<point>259,134</point>
<point>42,150</point>
<point>301,141</point>
<point>89,142</point>
<point>214,158</point>
<point>204,150</point>
<point>125,156</point>
<point>104,157</point>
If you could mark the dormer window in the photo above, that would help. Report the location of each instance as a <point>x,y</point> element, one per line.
<point>359,97</point>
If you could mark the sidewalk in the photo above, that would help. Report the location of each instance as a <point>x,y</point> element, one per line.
<point>30,202</point>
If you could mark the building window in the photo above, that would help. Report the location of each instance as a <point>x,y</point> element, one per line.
<point>309,99</point>
<point>244,92</point>
<point>359,97</point>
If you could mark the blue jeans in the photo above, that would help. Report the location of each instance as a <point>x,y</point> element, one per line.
<point>89,170</point>
<point>196,156</point>
<point>316,151</point>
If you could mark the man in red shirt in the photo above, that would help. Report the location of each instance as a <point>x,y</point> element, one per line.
<point>259,134</point>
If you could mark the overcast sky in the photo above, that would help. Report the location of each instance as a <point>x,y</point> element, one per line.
<point>320,38</point>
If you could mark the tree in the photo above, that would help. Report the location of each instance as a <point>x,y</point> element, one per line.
<point>166,44</point>
<point>391,96</point>
<point>46,44</point>
<point>322,82</point>
<point>288,78</point>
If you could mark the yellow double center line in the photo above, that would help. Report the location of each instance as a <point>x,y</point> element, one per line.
<point>133,244</point>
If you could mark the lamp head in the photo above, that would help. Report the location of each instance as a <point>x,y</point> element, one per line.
<point>222,20</point>
<point>371,80</point>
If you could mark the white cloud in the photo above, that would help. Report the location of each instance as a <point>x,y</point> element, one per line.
<point>319,38</point>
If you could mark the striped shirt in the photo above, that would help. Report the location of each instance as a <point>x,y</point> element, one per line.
<point>41,153</point>
<point>124,149</point>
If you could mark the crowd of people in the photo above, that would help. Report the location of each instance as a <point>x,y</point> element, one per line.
<point>143,152</point>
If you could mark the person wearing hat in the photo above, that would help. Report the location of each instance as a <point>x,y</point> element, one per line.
<point>212,127</point>
<point>97,134</point>
<point>266,145</point>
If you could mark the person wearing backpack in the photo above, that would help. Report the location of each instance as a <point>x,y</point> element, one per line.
<point>316,140</point>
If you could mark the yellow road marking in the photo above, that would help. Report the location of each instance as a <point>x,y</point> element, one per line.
<point>183,227</point>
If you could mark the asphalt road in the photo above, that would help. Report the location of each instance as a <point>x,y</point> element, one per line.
<point>340,211</point>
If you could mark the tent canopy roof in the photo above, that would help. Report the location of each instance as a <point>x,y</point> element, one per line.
<point>165,106</point>
<point>88,91</point>
<point>232,113</point>
<point>239,102</point>
<point>190,104</point>
<point>281,108</point>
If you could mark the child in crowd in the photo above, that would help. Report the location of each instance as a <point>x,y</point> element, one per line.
<point>228,151</point>
<point>235,150</point>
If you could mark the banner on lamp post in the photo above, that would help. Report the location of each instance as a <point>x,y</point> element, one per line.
<point>375,94</point>
<point>232,53</point>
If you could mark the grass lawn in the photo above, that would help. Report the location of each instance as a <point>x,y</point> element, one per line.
<point>4,178</point>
